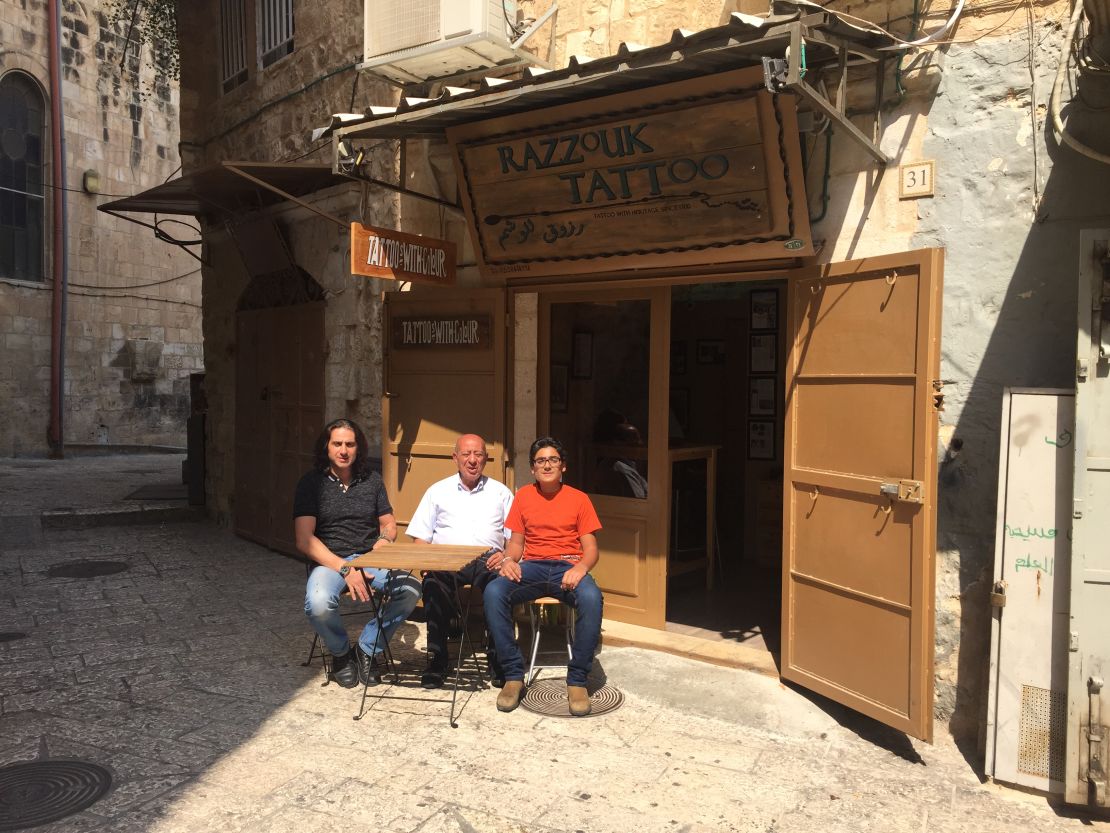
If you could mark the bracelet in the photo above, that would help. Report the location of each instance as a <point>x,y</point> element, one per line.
<point>385,538</point>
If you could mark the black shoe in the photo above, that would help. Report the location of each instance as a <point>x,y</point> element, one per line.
<point>369,672</point>
<point>435,673</point>
<point>343,670</point>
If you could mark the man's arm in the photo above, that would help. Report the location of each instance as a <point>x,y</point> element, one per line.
<point>586,563</point>
<point>509,565</point>
<point>304,529</point>
<point>387,530</point>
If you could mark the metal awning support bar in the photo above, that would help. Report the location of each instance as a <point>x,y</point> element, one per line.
<point>796,83</point>
<point>286,195</point>
<point>161,235</point>
<point>536,24</point>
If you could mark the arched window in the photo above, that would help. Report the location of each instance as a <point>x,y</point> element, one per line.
<point>22,203</point>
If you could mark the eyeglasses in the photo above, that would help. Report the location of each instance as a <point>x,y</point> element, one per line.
<point>547,461</point>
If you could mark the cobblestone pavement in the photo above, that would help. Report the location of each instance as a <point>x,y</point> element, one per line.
<point>183,676</point>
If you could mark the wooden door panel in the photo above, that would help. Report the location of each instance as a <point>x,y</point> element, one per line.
<point>844,539</point>
<point>834,621</point>
<point>840,425</point>
<point>434,394</point>
<point>859,508</point>
<point>868,323</point>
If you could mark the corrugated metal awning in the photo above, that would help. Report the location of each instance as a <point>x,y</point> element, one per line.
<point>230,188</point>
<point>742,41</point>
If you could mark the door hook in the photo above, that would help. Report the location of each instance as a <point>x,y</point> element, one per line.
<point>892,278</point>
<point>816,491</point>
<point>815,287</point>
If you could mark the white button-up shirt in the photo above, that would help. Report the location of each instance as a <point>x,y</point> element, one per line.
<point>450,514</point>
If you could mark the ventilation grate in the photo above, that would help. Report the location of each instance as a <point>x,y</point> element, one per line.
<point>401,24</point>
<point>1041,732</point>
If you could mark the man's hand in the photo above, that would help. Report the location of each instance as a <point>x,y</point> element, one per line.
<point>356,583</point>
<point>510,570</point>
<point>572,576</point>
<point>495,559</point>
<point>381,542</point>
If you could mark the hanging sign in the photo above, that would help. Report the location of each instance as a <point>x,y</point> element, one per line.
<point>384,253</point>
<point>698,171</point>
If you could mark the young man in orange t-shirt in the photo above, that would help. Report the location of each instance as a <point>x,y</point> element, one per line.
<point>550,553</point>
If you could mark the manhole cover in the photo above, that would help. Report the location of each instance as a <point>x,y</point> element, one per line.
<point>11,636</point>
<point>549,697</point>
<point>86,569</point>
<point>39,792</point>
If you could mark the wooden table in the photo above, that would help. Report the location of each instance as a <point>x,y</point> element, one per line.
<point>411,558</point>
<point>419,557</point>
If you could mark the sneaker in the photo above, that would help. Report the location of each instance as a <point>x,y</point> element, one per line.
<point>510,695</point>
<point>369,671</point>
<point>579,700</point>
<point>434,674</point>
<point>343,670</point>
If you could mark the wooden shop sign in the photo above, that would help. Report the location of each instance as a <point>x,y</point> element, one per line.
<point>699,171</point>
<point>453,331</point>
<point>384,253</point>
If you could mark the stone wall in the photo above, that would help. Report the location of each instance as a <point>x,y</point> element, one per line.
<point>133,334</point>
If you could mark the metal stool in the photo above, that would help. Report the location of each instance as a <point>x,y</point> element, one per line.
<point>535,615</point>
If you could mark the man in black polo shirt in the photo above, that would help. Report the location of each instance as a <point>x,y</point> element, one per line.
<point>340,511</point>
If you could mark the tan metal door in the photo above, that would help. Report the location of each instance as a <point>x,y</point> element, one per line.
<point>859,516</point>
<point>279,413</point>
<point>605,351</point>
<point>437,388</point>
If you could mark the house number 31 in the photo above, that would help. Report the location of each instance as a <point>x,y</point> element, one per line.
<point>915,180</point>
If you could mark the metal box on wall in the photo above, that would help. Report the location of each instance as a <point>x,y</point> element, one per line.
<point>1027,709</point>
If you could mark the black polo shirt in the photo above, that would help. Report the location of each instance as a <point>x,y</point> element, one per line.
<point>346,521</point>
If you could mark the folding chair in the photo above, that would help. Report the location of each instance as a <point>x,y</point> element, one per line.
<point>536,608</point>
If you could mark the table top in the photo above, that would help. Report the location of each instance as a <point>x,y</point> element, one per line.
<point>425,557</point>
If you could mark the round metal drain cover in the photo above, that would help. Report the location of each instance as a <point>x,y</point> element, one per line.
<point>39,792</point>
<point>549,697</point>
<point>11,636</point>
<point>86,569</point>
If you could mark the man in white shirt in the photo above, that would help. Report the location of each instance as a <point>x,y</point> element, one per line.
<point>467,508</point>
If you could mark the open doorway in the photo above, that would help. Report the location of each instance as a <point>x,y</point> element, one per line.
<point>726,406</point>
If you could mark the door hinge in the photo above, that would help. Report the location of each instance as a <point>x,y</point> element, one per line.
<point>907,491</point>
<point>1081,370</point>
<point>998,594</point>
<point>1073,641</point>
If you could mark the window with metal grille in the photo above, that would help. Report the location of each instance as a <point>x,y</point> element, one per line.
<point>22,195</point>
<point>233,43</point>
<point>276,29</point>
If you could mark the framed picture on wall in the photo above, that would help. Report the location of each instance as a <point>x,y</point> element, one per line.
<point>559,388</point>
<point>762,357</point>
<point>761,439</point>
<point>582,355</point>
<point>711,351</point>
<point>764,309</point>
<point>761,396</point>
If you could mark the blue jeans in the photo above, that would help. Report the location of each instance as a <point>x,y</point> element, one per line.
<point>399,590</point>
<point>542,578</point>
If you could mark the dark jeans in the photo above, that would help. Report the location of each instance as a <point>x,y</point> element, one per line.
<point>542,578</point>
<point>441,590</point>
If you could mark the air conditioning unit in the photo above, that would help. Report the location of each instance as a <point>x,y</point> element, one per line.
<point>416,40</point>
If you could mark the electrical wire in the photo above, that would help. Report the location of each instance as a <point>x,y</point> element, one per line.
<point>139,285</point>
<point>1058,87</point>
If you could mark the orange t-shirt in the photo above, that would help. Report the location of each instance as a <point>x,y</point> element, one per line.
<point>552,524</point>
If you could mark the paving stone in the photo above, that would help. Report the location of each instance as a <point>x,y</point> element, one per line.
<point>183,675</point>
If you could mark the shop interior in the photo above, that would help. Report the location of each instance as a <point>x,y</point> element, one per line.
<point>725,417</point>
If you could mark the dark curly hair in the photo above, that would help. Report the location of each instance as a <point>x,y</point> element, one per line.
<point>362,448</point>
<point>546,442</point>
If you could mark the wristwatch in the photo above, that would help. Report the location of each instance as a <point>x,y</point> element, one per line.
<point>346,568</point>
